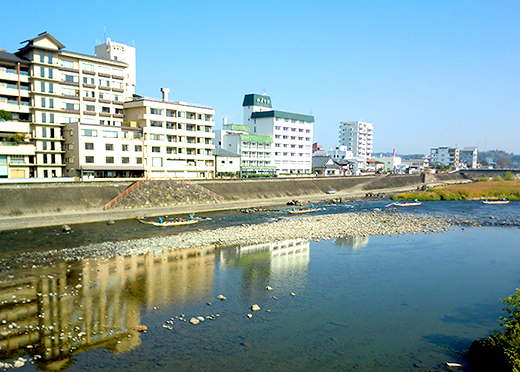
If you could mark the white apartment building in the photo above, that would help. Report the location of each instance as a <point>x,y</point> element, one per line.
<point>68,87</point>
<point>358,137</point>
<point>16,148</point>
<point>340,153</point>
<point>177,137</point>
<point>469,157</point>
<point>227,163</point>
<point>291,134</point>
<point>445,156</point>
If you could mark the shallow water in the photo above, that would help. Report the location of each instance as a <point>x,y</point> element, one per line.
<point>401,303</point>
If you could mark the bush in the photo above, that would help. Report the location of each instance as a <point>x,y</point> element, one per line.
<point>483,179</point>
<point>509,176</point>
<point>497,178</point>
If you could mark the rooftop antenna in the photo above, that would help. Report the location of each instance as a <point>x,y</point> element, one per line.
<point>264,94</point>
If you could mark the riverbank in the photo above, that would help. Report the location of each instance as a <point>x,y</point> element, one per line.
<point>287,228</point>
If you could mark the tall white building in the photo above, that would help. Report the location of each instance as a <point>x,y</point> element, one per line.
<point>122,53</point>
<point>445,156</point>
<point>469,157</point>
<point>291,133</point>
<point>358,137</point>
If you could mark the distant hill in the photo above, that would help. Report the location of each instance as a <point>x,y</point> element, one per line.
<point>499,156</point>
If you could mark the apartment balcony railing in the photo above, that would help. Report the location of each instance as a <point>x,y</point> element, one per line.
<point>14,71</point>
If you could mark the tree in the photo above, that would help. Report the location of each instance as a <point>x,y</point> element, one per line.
<point>5,115</point>
<point>502,163</point>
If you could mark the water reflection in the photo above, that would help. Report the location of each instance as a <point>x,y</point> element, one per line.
<point>353,242</point>
<point>57,312</point>
<point>283,265</point>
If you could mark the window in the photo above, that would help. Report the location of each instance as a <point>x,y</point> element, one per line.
<point>42,57</point>
<point>42,87</point>
<point>109,160</point>
<point>70,92</point>
<point>118,97</point>
<point>88,80</point>
<point>103,70</point>
<point>207,117</point>
<point>89,146</point>
<point>89,132</point>
<point>118,72</point>
<point>44,158</point>
<point>70,106</point>
<point>50,73</point>
<point>90,108</point>
<point>156,149</point>
<point>104,82</point>
<point>109,146</point>
<point>43,102</point>
<point>70,160</point>
<point>154,123</point>
<point>44,145</point>
<point>110,134</point>
<point>180,114</point>
<point>124,147</point>
<point>119,111</point>
<point>156,137</point>
<point>51,87</point>
<point>139,160</point>
<point>51,118</point>
<point>44,117</point>
<point>138,148</point>
<point>156,111</point>
<point>125,160</point>
<point>90,93</point>
<point>68,64</point>
<point>42,71</point>
<point>103,95</point>
<point>70,78</point>
<point>51,102</point>
<point>105,109</point>
<point>156,162</point>
<point>117,84</point>
<point>89,159</point>
<point>70,146</point>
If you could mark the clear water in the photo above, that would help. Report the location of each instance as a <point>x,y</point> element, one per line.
<point>401,303</point>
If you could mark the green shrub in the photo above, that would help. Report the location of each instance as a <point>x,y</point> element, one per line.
<point>497,178</point>
<point>509,176</point>
<point>483,179</point>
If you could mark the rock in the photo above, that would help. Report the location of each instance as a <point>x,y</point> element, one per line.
<point>269,288</point>
<point>110,222</point>
<point>18,364</point>
<point>221,298</point>
<point>194,321</point>
<point>140,328</point>
<point>201,318</point>
<point>249,316</point>
<point>293,294</point>
<point>255,307</point>
<point>65,228</point>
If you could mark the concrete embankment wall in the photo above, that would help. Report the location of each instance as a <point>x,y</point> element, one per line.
<point>30,199</point>
<point>52,199</point>
<point>246,189</point>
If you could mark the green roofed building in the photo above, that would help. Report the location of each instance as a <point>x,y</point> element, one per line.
<point>291,133</point>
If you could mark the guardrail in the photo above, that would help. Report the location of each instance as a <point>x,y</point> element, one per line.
<point>124,193</point>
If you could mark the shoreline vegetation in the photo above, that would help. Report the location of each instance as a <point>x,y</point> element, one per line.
<point>480,190</point>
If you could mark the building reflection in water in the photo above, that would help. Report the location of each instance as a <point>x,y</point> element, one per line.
<point>353,242</point>
<point>60,311</point>
<point>283,265</point>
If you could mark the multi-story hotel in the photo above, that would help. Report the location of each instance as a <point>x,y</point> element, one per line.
<point>16,148</point>
<point>177,137</point>
<point>445,156</point>
<point>64,87</point>
<point>291,134</point>
<point>358,137</point>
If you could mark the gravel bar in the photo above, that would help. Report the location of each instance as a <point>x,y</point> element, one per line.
<point>306,227</point>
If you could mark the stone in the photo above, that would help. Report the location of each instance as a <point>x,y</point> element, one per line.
<point>269,288</point>
<point>221,298</point>
<point>249,316</point>
<point>140,328</point>
<point>194,321</point>
<point>65,228</point>
<point>201,318</point>
<point>255,307</point>
<point>293,294</point>
<point>18,364</point>
<point>110,222</point>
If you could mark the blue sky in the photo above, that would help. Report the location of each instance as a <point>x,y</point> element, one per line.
<point>425,73</point>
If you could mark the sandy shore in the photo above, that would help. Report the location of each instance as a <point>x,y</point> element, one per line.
<point>302,227</point>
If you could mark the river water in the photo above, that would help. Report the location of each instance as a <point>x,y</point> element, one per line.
<point>385,303</point>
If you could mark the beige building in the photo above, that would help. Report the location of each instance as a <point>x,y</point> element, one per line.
<point>16,148</point>
<point>67,87</point>
<point>177,137</point>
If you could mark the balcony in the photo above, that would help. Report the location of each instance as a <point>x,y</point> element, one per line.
<point>119,90</point>
<point>70,97</point>
<point>101,74</point>
<point>91,86</point>
<point>17,148</point>
<point>70,83</point>
<point>92,113</point>
<point>118,77</point>
<point>102,87</point>
<point>89,99</point>
<point>101,100</point>
<point>88,72</point>
<point>121,116</point>
<point>104,114</point>
<point>68,69</point>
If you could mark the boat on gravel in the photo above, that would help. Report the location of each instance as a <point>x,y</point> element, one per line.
<point>170,223</point>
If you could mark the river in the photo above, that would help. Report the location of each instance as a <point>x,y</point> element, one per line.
<point>386,303</point>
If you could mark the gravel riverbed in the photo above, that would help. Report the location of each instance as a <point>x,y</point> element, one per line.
<point>306,227</point>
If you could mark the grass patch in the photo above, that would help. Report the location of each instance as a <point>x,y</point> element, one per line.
<point>468,191</point>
